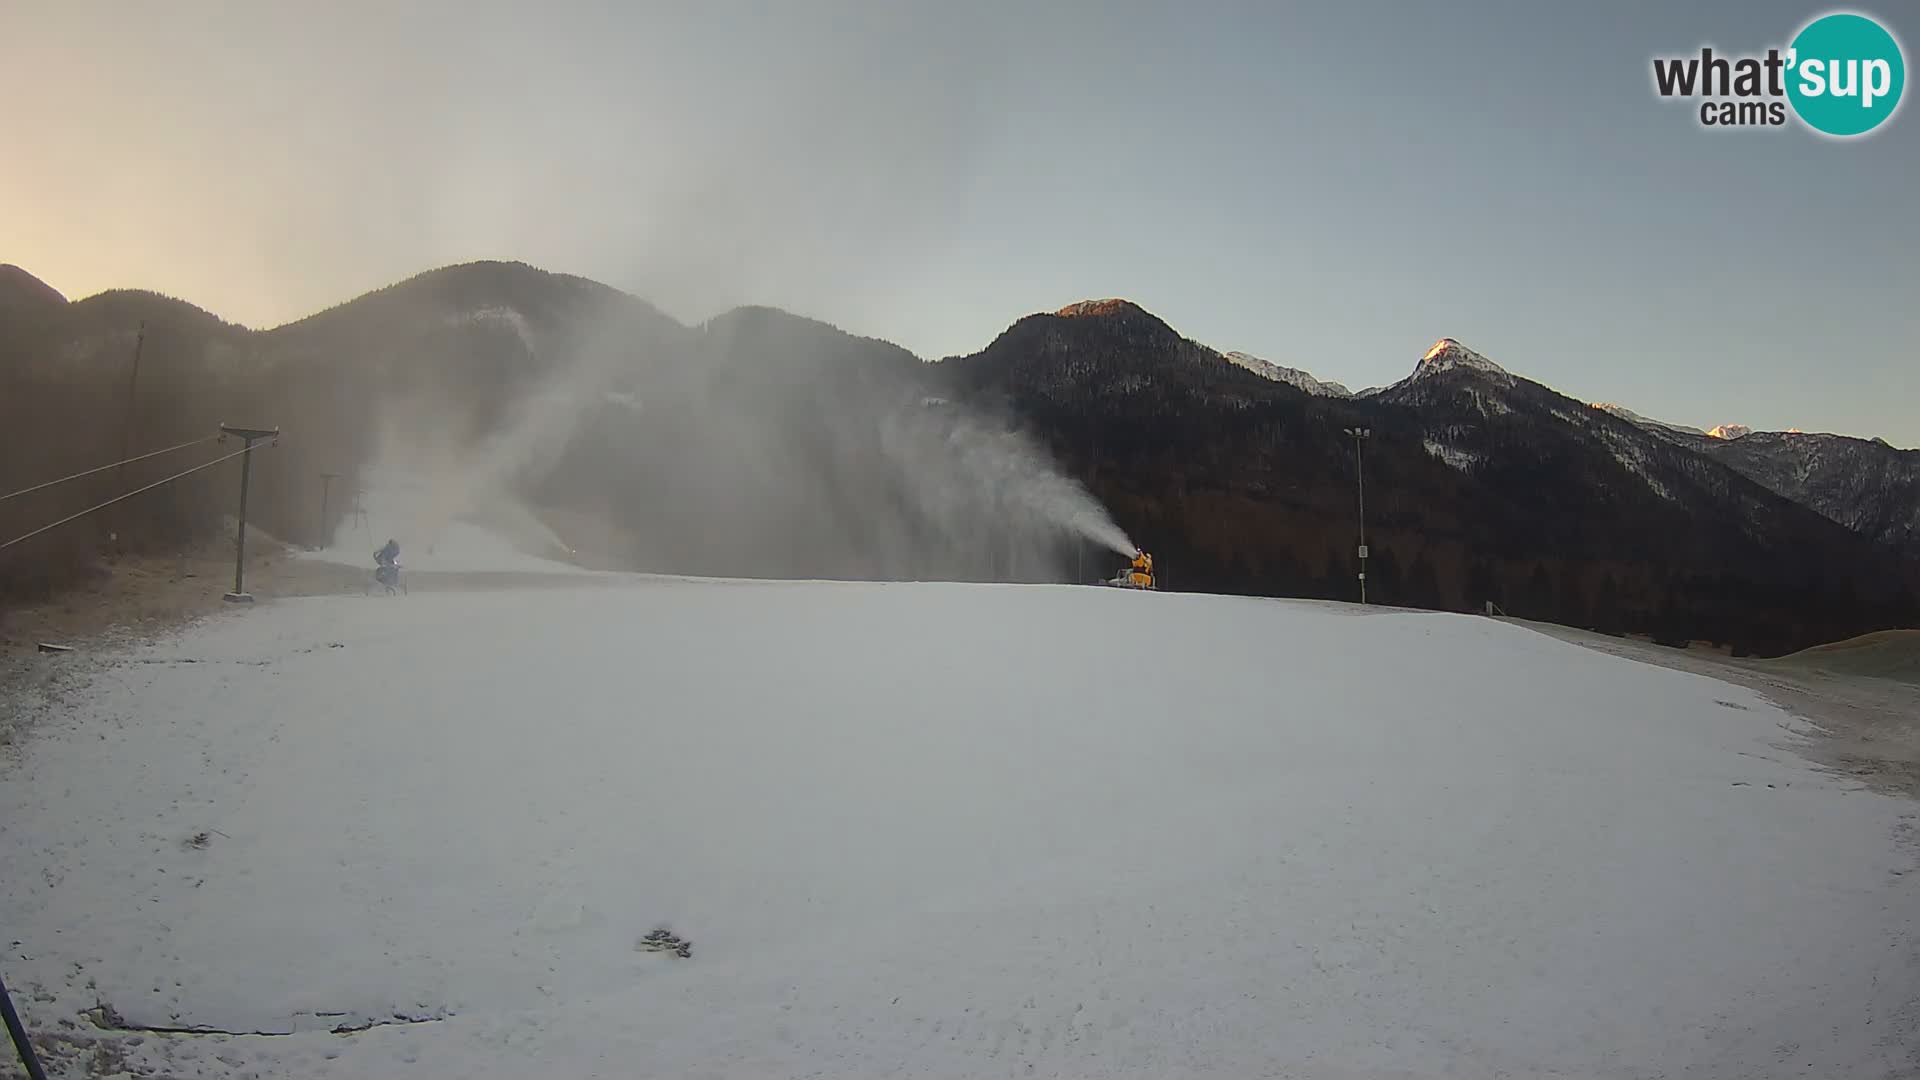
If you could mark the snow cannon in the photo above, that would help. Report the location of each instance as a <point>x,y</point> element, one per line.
<point>1138,575</point>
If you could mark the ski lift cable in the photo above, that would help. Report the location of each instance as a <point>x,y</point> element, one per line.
<point>118,498</point>
<point>104,468</point>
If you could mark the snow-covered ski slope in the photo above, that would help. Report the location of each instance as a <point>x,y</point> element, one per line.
<point>943,830</point>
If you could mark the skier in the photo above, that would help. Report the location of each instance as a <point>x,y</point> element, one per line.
<point>387,565</point>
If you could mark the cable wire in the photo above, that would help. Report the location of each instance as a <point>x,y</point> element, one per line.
<point>128,495</point>
<point>104,468</point>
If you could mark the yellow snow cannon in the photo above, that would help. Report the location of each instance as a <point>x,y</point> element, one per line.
<point>1137,576</point>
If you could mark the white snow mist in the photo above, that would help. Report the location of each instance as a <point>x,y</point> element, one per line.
<point>769,446</point>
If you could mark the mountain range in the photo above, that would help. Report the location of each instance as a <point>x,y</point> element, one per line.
<point>758,442</point>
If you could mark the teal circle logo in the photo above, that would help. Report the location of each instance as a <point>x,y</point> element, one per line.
<point>1845,73</point>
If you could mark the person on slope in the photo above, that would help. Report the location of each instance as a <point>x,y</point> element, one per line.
<point>387,567</point>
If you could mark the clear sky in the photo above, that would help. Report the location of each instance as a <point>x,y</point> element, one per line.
<point>1330,186</point>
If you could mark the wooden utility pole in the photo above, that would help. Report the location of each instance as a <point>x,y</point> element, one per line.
<point>326,488</point>
<point>239,594</point>
<point>358,515</point>
<point>120,516</point>
<point>133,384</point>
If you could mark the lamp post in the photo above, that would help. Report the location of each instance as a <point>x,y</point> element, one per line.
<point>1360,435</point>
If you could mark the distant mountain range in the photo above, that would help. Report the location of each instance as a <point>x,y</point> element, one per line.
<point>1650,424</point>
<point>1291,376</point>
<point>1867,485</point>
<point>21,293</point>
<point>1481,485</point>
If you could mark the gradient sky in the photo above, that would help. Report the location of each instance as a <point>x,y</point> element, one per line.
<point>1330,186</point>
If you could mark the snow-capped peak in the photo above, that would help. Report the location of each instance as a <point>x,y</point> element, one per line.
<point>1295,377</point>
<point>1109,306</point>
<point>1730,431</point>
<point>1448,354</point>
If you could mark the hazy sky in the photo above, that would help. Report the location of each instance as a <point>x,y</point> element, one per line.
<point>1330,186</point>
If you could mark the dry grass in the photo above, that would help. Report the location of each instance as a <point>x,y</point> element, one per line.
<point>1886,654</point>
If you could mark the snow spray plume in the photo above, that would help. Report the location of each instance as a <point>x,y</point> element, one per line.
<point>780,447</point>
<point>531,442</point>
<point>432,469</point>
<point>1004,468</point>
<point>770,446</point>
